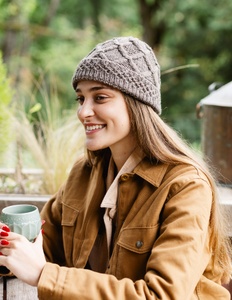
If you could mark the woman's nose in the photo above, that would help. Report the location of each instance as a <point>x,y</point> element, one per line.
<point>85,110</point>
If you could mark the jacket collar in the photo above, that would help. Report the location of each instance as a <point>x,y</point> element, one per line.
<point>153,173</point>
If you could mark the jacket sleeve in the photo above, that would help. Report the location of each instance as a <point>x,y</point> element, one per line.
<point>52,236</point>
<point>178,258</point>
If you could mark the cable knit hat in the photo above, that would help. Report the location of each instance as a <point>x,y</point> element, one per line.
<point>127,64</point>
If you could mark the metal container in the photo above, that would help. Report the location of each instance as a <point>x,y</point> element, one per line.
<point>216,113</point>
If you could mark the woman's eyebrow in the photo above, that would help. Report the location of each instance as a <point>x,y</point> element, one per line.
<point>96,88</point>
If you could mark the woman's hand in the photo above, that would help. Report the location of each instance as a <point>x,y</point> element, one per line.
<point>23,258</point>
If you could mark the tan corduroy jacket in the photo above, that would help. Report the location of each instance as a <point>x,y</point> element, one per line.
<point>160,243</point>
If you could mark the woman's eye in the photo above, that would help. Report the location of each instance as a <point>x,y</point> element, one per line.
<point>80,99</point>
<point>100,97</point>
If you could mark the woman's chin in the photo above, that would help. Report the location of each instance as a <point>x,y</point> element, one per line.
<point>94,147</point>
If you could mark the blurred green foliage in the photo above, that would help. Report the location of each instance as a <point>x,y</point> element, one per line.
<point>47,39</point>
<point>5,116</point>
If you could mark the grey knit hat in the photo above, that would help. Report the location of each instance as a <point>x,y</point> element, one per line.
<point>127,64</point>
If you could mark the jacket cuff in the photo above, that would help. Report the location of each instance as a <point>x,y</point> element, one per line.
<point>48,286</point>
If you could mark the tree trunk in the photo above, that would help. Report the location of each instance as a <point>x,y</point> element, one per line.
<point>153,31</point>
<point>54,5</point>
<point>96,7</point>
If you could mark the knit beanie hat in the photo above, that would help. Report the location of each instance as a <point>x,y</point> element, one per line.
<point>127,64</point>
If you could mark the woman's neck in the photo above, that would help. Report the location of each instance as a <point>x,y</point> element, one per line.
<point>121,151</point>
<point>121,157</point>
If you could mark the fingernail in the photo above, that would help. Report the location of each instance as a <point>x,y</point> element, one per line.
<point>3,233</point>
<point>1,253</point>
<point>43,222</point>
<point>4,243</point>
<point>42,231</point>
<point>6,228</point>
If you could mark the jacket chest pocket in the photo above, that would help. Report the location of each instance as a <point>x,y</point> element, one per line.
<point>134,247</point>
<point>69,218</point>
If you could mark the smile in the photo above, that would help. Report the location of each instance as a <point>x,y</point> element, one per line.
<point>94,127</point>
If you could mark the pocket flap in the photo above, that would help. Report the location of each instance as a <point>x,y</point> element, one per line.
<point>69,215</point>
<point>139,240</point>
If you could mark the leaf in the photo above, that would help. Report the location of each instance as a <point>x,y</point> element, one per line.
<point>37,107</point>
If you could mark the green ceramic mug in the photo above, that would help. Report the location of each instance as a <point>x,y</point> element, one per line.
<point>23,219</point>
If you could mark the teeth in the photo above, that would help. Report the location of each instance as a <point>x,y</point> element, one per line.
<point>94,127</point>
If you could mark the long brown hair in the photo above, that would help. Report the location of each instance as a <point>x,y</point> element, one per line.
<point>161,143</point>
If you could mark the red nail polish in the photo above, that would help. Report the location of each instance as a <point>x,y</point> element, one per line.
<point>6,228</point>
<point>4,243</point>
<point>1,253</point>
<point>3,233</point>
<point>42,231</point>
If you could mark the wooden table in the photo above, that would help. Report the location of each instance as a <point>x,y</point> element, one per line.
<point>16,289</point>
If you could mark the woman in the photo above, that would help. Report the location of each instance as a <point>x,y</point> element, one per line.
<point>138,217</point>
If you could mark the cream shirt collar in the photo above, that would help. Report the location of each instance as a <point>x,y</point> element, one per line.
<point>110,199</point>
<point>109,202</point>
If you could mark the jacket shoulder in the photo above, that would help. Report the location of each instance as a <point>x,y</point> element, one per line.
<point>81,165</point>
<point>185,172</point>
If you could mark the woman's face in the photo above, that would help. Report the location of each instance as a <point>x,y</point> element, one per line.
<point>103,112</point>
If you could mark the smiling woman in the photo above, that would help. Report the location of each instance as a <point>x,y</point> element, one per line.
<point>138,217</point>
<point>98,110</point>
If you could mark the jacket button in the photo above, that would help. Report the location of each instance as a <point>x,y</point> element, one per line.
<point>124,177</point>
<point>139,244</point>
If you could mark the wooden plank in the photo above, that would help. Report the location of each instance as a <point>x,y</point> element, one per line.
<point>16,289</point>
<point>225,199</point>
<point>13,199</point>
<point>25,171</point>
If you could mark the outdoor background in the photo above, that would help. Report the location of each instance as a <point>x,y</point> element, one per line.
<point>42,41</point>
